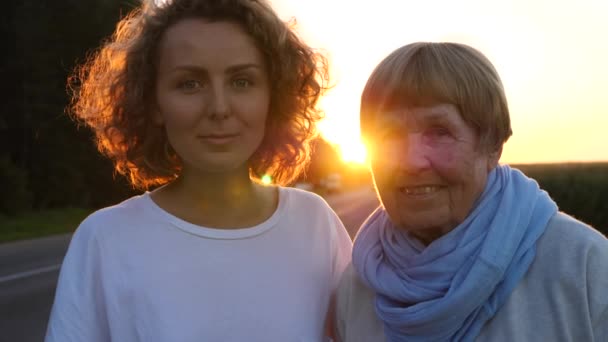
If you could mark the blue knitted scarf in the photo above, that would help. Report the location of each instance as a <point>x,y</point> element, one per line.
<point>448,290</point>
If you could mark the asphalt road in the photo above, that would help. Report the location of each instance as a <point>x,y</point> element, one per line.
<point>29,270</point>
<point>354,207</point>
<point>28,274</point>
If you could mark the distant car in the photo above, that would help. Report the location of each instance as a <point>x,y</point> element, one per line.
<point>332,183</point>
<point>304,186</point>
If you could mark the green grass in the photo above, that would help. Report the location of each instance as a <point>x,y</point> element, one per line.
<point>579,189</point>
<point>40,223</point>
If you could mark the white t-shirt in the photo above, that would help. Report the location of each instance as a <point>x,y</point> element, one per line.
<point>134,272</point>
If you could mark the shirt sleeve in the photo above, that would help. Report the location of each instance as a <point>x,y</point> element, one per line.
<point>601,327</point>
<point>342,251</point>
<point>78,312</point>
<point>342,302</point>
<point>341,245</point>
<point>597,283</point>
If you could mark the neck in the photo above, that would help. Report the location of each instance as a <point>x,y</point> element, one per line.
<point>221,190</point>
<point>427,237</point>
<point>219,200</point>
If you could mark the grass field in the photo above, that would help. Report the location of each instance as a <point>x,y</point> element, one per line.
<point>41,223</point>
<point>579,189</point>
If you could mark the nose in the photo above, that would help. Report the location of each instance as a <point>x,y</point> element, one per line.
<point>219,107</point>
<point>415,155</point>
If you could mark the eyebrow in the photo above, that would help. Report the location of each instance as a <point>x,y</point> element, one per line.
<point>398,118</point>
<point>241,67</point>
<point>435,116</point>
<point>231,70</point>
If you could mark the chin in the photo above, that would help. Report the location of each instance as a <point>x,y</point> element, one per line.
<point>431,223</point>
<point>216,166</point>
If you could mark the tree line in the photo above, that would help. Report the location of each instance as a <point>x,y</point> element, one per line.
<point>45,160</point>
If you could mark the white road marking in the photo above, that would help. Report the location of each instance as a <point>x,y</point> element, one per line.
<point>29,273</point>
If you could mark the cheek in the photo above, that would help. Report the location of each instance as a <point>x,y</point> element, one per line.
<point>175,122</point>
<point>379,177</point>
<point>253,116</point>
<point>256,131</point>
<point>180,113</point>
<point>383,189</point>
<point>443,157</point>
<point>384,183</point>
<point>454,165</point>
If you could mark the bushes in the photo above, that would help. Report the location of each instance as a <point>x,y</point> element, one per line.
<point>15,194</point>
<point>579,189</point>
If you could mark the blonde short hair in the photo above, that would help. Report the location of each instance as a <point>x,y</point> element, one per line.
<point>426,73</point>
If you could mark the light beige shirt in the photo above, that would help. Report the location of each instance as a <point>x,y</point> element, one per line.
<point>562,297</point>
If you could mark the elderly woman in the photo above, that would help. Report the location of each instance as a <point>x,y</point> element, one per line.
<point>462,248</point>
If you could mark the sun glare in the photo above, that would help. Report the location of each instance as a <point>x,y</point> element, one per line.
<point>553,74</point>
<point>353,152</point>
<point>341,124</point>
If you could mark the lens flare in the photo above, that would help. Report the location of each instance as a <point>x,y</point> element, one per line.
<point>266,179</point>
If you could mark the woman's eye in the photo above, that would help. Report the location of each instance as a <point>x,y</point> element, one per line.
<point>190,84</point>
<point>241,83</point>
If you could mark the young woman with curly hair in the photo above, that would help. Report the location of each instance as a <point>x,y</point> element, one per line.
<point>196,99</point>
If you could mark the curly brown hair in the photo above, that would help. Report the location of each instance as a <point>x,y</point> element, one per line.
<point>113,92</point>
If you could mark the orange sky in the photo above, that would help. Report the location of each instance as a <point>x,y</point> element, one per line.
<point>552,57</point>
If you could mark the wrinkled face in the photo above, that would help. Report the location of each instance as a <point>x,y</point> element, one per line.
<point>212,94</point>
<point>427,168</point>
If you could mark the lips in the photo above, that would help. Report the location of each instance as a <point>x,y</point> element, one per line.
<point>218,139</point>
<point>419,190</point>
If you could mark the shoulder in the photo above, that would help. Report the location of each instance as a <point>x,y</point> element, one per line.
<point>572,255</point>
<point>567,224</point>
<point>314,214</point>
<point>353,295</point>
<point>121,211</point>
<point>350,287</point>
<point>356,318</point>
<point>307,203</point>
<point>109,220</point>
<point>304,197</point>
<point>570,245</point>
<point>567,235</point>
<point>353,291</point>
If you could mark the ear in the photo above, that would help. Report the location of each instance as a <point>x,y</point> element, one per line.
<point>493,158</point>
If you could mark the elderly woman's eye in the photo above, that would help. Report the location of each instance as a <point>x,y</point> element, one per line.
<point>392,135</point>
<point>439,131</point>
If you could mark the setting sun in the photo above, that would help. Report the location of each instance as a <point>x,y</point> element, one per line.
<point>341,125</point>
<point>353,152</point>
<point>553,74</point>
